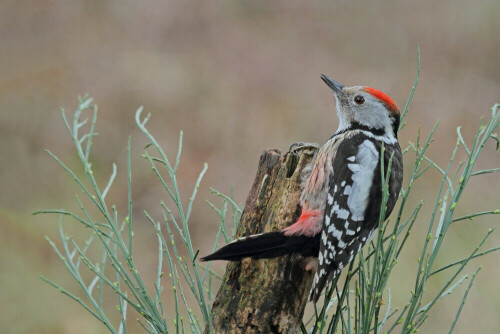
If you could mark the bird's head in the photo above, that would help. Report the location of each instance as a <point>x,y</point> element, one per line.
<point>361,107</point>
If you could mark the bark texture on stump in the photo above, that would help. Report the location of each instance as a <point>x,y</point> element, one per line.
<point>267,296</point>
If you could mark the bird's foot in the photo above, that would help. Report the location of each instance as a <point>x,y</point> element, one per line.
<point>308,148</point>
<point>300,146</point>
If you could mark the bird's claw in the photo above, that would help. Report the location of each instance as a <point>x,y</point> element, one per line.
<point>295,148</point>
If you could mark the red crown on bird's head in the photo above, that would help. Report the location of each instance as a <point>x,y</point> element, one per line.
<point>384,98</point>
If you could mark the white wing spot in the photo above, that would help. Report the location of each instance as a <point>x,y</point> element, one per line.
<point>337,234</point>
<point>342,184</point>
<point>370,236</point>
<point>332,229</point>
<point>351,159</point>
<point>368,158</point>
<point>354,168</point>
<point>327,220</point>
<point>341,213</point>
<point>347,190</point>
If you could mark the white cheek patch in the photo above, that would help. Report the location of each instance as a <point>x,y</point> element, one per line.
<point>362,177</point>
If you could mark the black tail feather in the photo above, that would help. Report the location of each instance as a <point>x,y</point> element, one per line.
<point>266,246</point>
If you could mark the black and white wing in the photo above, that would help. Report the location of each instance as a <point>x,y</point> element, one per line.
<point>353,204</point>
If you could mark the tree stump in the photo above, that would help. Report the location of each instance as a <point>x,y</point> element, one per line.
<point>267,296</point>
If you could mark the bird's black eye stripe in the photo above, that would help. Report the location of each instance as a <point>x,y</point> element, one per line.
<point>359,99</point>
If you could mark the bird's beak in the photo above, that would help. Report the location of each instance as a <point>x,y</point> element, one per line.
<point>334,85</point>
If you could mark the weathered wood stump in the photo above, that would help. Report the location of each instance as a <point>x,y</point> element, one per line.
<point>267,296</point>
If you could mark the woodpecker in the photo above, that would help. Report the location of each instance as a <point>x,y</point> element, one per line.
<point>341,189</point>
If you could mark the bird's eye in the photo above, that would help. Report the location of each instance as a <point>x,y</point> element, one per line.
<point>359,99</point>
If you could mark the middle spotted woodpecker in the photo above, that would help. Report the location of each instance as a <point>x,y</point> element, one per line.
<point>342,189</point>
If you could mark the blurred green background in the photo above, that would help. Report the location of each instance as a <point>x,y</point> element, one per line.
<point>237,77</point>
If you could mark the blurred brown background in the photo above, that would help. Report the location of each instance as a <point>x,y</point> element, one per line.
<point>237,77</point>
